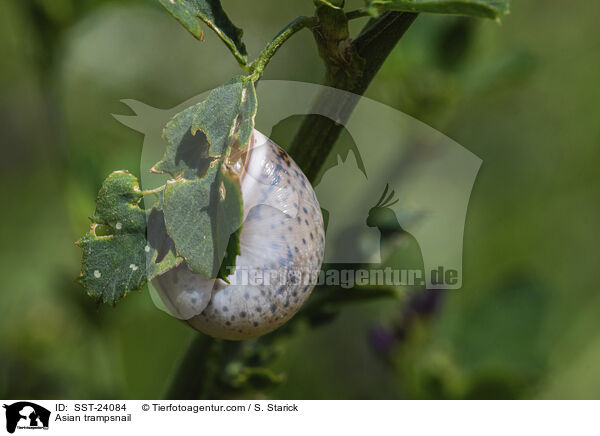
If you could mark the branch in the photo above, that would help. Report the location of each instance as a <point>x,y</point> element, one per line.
<point>265,56</point>
<point>357,13</point>
<point>197,375</point>
<point>317,134</point>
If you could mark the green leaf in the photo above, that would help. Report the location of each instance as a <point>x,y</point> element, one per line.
<point>202,216</point>
<point>227,115</point>
<point>207,131</point>
<point>203,205</point>
<point>117,203</point>
<point>186,154</point>
<point>118,257</point>
<point>474,8</point>
<point>190,13</point>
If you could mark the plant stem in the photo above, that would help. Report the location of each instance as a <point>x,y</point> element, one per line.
<point>258,66</point>
<point>197,376</point>
<point>357,13</point>
<point>318,134</point>
<point>188,383</point>
<point>154,191</point>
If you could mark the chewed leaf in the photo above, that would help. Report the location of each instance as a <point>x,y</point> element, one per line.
<point>208,130</point>
<point>202,217</point>
<point>118,257</point>
<point>191,13</point>
<point>475,8</point>
<point>117,203</point>
<point>227,115</point>
<point>186,154</point>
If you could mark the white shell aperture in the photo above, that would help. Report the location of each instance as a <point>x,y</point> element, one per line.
<point>282,246</point>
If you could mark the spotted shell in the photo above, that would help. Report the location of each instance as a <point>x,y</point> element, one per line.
<point>282,245</point>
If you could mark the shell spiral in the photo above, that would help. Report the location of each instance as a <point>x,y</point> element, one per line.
<point>282,245</point>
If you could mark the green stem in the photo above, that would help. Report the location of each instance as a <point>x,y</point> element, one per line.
<point>154,191</point>
<point>317,134</point>
<point>357,13</point>
<point>198,373</point>
<point>190,380</point>
<point>258,66</point>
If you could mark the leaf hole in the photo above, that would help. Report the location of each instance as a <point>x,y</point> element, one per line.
<point>157,235</point>
<point>193,152</point>
<point>103,230</point>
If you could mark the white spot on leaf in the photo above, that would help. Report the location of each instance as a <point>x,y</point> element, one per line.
<point>119,226</point>
<point>133,267</point>
<point>97,274</point>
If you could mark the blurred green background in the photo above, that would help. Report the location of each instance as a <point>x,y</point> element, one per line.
<point>522,95</point>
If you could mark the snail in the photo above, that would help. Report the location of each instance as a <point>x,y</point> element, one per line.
<point>281,250</point>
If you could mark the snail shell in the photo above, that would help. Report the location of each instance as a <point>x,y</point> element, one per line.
<point>282,244</point>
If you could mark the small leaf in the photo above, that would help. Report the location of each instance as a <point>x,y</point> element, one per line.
<point>202,216</point>
<point>117,255</point>
<point>206,131</point>
<point>117,203</point>
<point>190,13</point>
<point>474,8</point>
